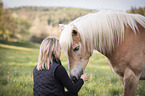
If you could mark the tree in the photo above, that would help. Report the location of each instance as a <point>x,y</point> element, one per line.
<point>11,27</point>
<point>7,26</point>
<point>139,10</point>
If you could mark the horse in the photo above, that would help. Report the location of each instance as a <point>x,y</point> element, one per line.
<point>119,36</point>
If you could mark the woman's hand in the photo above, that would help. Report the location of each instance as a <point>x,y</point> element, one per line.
<point>84,77</point>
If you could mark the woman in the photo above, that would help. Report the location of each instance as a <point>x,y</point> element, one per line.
<point>50,77</point>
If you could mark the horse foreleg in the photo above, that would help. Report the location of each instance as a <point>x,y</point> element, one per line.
<point>130,82</point>
<point>121,79</point>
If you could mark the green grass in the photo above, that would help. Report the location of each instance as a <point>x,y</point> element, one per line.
<point>17,61</point>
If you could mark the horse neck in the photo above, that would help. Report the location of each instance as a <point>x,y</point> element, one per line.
<point>95,45</point>
<point>102,46</point>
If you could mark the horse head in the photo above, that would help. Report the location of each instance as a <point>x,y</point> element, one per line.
<point>77,54</point>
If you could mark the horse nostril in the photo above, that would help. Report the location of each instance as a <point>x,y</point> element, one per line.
<point>74,79</point>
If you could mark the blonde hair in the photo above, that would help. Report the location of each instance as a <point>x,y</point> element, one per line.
<point>48,49</point>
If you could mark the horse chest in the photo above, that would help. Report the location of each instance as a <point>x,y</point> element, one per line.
<point>120,73</point>
<point>117,67</point>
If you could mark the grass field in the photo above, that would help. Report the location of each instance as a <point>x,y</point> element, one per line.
<point>17,61</point>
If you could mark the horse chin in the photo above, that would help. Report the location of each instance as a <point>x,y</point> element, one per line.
<point>75,78</point>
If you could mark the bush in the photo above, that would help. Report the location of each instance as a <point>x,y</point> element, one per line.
<point>38,38</point>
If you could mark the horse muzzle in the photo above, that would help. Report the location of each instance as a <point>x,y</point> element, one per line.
<point>77,76</point>
<point>74,79</point>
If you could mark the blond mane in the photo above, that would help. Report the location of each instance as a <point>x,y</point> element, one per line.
<point>101,30</point>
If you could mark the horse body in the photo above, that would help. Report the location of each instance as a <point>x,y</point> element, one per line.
<point>128,60</point>
<point>129,53</point>
<point>118,36</point>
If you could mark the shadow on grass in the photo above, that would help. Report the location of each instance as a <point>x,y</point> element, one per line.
<point>21,44</point>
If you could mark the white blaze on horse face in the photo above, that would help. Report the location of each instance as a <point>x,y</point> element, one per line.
<point>76,71</point>
<point>78,56</point>
<point>77,63</point>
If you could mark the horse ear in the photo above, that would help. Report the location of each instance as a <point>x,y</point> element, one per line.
<point>61,26</point>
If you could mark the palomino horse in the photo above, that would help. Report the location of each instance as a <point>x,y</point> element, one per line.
<point>118,36</point>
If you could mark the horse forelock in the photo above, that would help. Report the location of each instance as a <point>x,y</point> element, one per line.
<point>101,30</point>
<point>66,38</point>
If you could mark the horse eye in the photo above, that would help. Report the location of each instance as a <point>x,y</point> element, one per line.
<point>76,48</point>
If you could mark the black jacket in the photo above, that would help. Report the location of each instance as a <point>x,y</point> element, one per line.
<point>52,82</point>
<point>45,83</point>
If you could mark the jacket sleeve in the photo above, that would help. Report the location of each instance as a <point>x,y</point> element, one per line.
<point>62,76</point>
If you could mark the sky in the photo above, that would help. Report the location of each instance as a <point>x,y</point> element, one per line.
<point>120,5</point>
